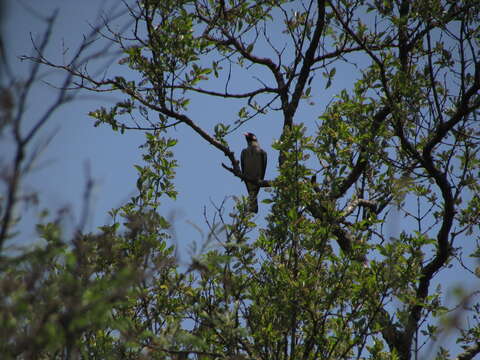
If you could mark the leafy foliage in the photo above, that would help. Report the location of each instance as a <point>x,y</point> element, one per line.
<point>324,279</point>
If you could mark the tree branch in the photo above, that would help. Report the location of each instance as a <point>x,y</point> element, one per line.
<point>463,109</point>
<point>308,61</point>
<point>359,202</point>
<point>362,160</point>
<point>470,352</point>
<point>442,182</point>
<point>249,94</point>
<point>238,173</point>
<point>22,142</point>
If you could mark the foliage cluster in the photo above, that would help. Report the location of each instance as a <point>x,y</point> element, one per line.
<point>323,279</point>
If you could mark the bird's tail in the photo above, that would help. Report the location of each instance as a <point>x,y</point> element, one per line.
<point>253,201</point>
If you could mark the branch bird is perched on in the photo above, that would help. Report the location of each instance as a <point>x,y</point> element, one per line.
<point>254,164</point>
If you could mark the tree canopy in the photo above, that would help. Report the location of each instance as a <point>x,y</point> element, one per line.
<point>324,278</point>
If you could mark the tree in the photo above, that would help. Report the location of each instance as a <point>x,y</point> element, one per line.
<point>322,280</point>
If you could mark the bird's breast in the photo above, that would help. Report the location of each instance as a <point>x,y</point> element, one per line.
<point>253,163</point>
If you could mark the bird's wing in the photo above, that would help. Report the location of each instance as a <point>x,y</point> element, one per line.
<point>264,163</point>
<point>242,160</point>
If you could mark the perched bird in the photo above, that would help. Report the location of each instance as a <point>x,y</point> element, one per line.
<point>254,164</point>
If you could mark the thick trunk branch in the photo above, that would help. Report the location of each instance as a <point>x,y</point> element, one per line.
<point>362,160</point>
<point>444,185</point>
<point>308,61</point>
<point>470,352</point>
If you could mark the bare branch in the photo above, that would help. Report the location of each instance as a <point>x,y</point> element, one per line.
<point>308,61</point>
<point>239,174</point>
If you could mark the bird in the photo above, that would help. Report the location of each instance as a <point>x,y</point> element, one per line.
<point>254,163</point>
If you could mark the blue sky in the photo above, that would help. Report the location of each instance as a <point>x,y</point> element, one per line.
<point>60,173</point>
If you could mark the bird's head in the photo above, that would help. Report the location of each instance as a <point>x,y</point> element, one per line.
<point>250,137</point>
